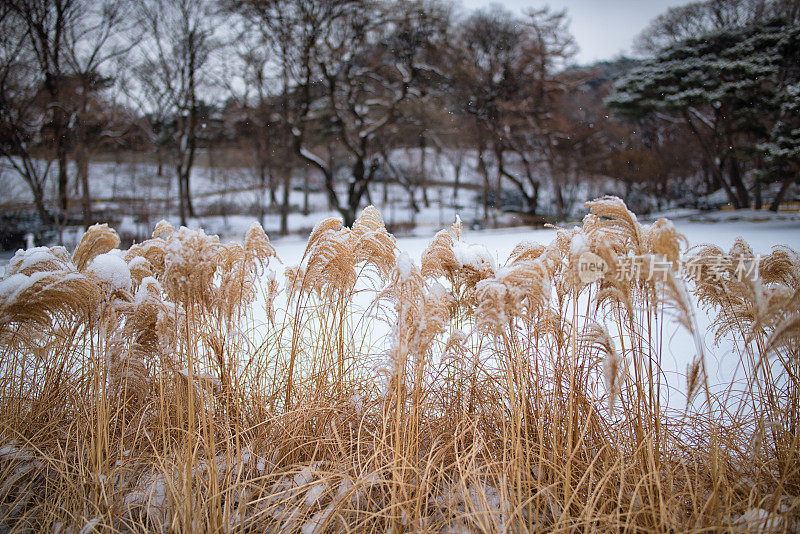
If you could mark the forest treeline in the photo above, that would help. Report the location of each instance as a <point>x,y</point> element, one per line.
<point>336,86</point>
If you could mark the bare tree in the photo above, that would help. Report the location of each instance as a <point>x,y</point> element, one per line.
<point>508,83</point>
<point>46,25</point>
<point>173,68</point>
<point>54,51</point>
<point>264,104</point>
<point>95,122</point>
<point>21,113</point>
<point>346,68</point>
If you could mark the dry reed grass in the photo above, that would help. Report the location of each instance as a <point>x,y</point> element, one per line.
<point>141,392</point>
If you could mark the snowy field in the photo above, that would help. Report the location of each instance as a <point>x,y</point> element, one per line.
<point>132,193</point>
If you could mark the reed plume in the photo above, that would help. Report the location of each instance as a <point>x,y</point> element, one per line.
<point>98,239</point>
<point>145,390</point>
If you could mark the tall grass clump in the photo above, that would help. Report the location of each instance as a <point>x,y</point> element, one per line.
<point>187,385</point>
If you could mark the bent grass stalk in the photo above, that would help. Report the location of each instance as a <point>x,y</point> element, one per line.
<point>155,396</point>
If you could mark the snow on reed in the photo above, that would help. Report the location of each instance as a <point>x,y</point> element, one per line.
<point>144,391</point>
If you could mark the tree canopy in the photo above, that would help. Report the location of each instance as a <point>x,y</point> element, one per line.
<point>735,89</point>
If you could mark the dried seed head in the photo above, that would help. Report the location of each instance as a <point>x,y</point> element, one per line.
<point>257,247</point>
<point>664,240</point>
<point>39,259</point>
<point>677,300</point>
<point>456,344</point>
<point>369,221</point>
<point>47,297</point>
<point>493,302</point>
<point>782,265</point>
<point>694,379</point>
<point>140,269</point>
<point>163,230</point>
<point>525,251</point>
<point>153,251</point>
<point>438,258</point>
<point>330,268</point>
<point>294,280</point>
<point>271,291</point>
<point>786,333</point>
<point>127,371</point>
<point>98,239</point>
<point>373,245</point>
<point>597,335</point>
<point>331,224</point>
<point>612,220</point>
<point>190,261</point>
<point>433,319</point>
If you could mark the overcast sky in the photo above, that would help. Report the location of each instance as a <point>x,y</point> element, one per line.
<point>602,28</point>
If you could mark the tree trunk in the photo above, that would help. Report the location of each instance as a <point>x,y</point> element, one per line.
<point>712,157</point>
<point>781,193</point>
<point>422,176</point>
<point>82,176</point>
<point>425,200</point>
<point>348,216</point>
<point>368,194</point>
<point>187,191</point>
<point>63,183</point>
<point>38,201</point>
<point>738,183</point>
<point>560,204</point>
<point>533,200</point>
<point>708,178</point>
<point>306,172</point>
<point>181,197</point>
<point>287,187</point>
<point>412,201</point>
<point>262,191</point>
<point>317,163</point>
<point>482,168</point>
<point>758,203</point>
<point>732,196</point>
<point>361,178</point>
<point>273,190</point>
<point>456,179</point>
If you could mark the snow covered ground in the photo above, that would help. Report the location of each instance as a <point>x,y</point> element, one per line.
<point>130,191</point>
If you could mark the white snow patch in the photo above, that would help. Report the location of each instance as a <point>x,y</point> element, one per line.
<point>148,287</point>
<point>12,452</point>
<point>12,286</point>
<point>315,494</point>
<point>25,259</point>
<point>759,520</point>
<point>305,476</point>
<point>405,266</point>
<point>473,255</point>
<point>91,526</point>
<point>113,270</point>
<point>344,486</point>
<point>139,262</point>
<point>200,376</point>
<point>437,290</point>
<point>578,245</point>
<point>315,524</point>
